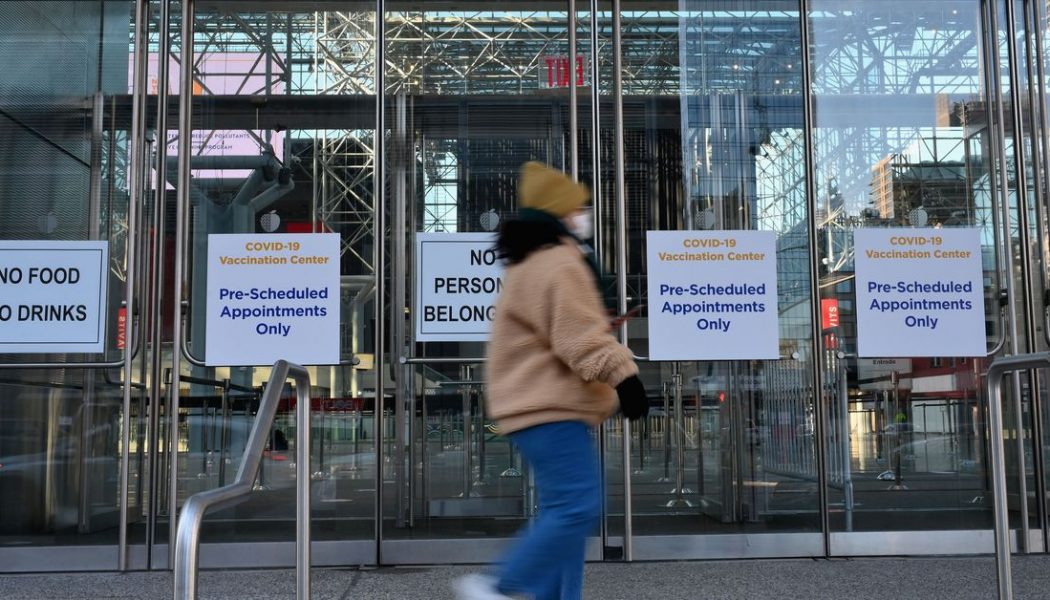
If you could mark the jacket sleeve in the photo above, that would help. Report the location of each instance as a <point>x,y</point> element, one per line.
<point>578,328</point>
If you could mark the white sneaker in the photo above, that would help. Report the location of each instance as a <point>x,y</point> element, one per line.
<point>478,587</point>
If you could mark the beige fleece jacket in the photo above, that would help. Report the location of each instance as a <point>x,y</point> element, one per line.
<point>551,356</point>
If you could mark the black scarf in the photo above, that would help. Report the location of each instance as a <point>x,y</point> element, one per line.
<point>535,229</point>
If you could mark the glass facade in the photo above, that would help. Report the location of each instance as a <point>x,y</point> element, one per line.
<point>152,125</point>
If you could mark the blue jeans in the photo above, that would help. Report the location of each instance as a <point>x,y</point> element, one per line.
<point>546,559</point>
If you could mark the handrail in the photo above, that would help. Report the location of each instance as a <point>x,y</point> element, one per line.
<point>1004,300</point>
<point>999,368</point>
<point>1046,314</point>
<point>187,541</point>
<point>448,360</point>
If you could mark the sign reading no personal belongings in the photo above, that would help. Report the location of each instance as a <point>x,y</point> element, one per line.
<point>53,296</point>
<point>458,280</point>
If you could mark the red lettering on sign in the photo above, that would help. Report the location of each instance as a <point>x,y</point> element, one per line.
<point>122,327</point>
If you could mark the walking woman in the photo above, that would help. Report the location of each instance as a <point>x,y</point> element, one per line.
<point>555,372</point>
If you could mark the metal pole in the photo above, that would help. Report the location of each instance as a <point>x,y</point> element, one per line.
<point>596,139</point>
<point>898,476</point>
<point>302,485</point>
<point>468,450</point>
<point>1043,127</point>
<point>136,154</point>
<point>424,454</point>
<point>442,360</point>
<point>1024,250</point>
<point>182,204</point>
<point>679,440</point>
<point>666,433</point>
<point>1007,247</point>
<point>400,150</point>
<point>1023,200</point>
<point>621,260</point>
<point>1040,151</point>
<point>808,125</point>
<point>844,443</point>
<point>224,440</point>
<point>1002,524</point>
<point>574,142</point>
<point>94,211</point>
<point>159,202</point>
<point>679,425</point>
<point>379,263</point>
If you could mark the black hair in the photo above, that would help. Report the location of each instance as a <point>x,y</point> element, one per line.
<point>519,238</point>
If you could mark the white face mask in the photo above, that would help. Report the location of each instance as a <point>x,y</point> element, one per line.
<point>582,225</point>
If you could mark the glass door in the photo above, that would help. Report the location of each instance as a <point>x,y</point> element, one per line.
<point>65,223</point>
<point>727,465</point>
<point>468,101</point>
<point>912,149</point>
<point>281,144</point>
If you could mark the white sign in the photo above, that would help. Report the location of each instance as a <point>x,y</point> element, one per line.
<point>53,296</point>
<point>920,292</point>
<point>884,373</point>
<point>272,297</point>
<point>712,295</point>
<point>458,280</point>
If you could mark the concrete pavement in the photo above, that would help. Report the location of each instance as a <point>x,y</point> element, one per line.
<point>852,579</point>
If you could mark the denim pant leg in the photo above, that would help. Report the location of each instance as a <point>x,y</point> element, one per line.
<point>546,560</point>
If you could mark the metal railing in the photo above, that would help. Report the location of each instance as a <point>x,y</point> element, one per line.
<point>187,541</point>
<point>999,368</point>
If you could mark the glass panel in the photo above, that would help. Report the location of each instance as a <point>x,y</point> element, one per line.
<point>472,95</point>
<point>1030,248</point>
<point>283,132</point>
<point>903,139</point>
<point>1038,43</point>
<point>729,446</point>
<point>63,176</point>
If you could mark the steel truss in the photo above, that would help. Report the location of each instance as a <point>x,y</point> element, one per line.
<point>890,50</point>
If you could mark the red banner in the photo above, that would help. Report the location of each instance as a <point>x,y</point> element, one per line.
<point>122,327</point>
<point>829,313</point>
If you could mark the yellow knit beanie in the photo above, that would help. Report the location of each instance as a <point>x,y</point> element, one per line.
<point>542,187</point>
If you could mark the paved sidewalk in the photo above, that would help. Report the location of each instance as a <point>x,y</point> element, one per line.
<point>851,579</point>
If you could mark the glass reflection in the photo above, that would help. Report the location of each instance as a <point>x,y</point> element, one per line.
<point>730,446</point>
<point>901,140</point>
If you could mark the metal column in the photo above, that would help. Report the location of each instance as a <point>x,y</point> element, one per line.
<point>157,253</point>
<point>379,262</point>
<point>574,142</point>
<point>996,371</point>
<point>621,259</point>
<point>182,207</point>
<point>400,155</point>
<point>1024,202</point>
<point>596,138</point>
<point>998,137</point>
<point>816,374</point>
<point>137,159</point>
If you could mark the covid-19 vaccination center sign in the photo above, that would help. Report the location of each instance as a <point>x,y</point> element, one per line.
<point>712,295</point>
<point>458,280</point>
<point>273,297</point>
<point>53,296</point>
<point>920,292</point>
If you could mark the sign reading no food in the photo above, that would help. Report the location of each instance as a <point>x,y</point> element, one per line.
<point>53,296</point>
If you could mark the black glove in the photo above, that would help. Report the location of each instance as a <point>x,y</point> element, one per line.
<point>634,403</point>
